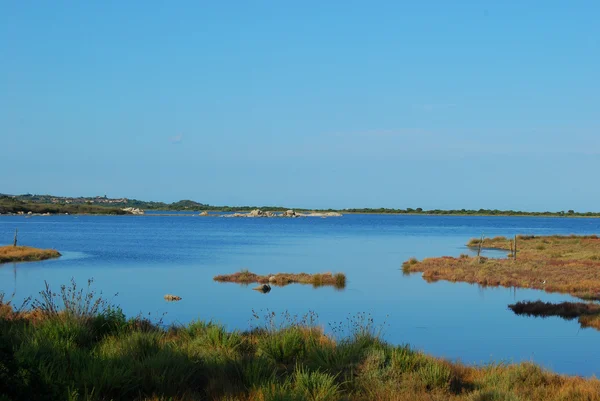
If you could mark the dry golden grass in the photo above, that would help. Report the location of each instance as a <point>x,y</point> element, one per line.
<point>337,280</point>
<point>25,254</point>
<point>553,263</point>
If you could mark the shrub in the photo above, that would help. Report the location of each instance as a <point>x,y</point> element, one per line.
<point>256,372</point>
<point>136,346</point>
<point>284,347</point>
<point>279,392</point>
<point>215,336</point>
<point>403,359</point>
<point>340,280</point>
<point>113,321</point>
<point>406,266</point>
<point>435,374</point>
<point>316,386</point>
<point>62,333</point>
<point>492,395</point>
<point>73,301</point>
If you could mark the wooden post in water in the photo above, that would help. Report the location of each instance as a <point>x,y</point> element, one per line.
<point>16,232</point>
<point>512,249</point>
<point>515,255</point>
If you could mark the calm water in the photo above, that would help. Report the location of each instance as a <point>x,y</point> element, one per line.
<point>144,257</point>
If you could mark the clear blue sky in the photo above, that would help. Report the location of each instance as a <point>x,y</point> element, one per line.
<point>432,104</point>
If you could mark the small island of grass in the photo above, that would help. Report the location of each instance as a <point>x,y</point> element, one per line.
<point>337,280</point>
<point>565,264</point>
<point>588,314</point>
<point>25,254</point>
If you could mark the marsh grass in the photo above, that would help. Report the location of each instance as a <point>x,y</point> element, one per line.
<point>407,266</point>
<point>25,254</point>
<point>587,313</point>
<point>316,385</point>
<point>97,354</point>
<point>337,280</point>
<point>566,264</point>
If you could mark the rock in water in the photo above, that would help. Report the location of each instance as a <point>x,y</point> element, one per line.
<point>264,288</point>
<point>170,297</point>
<point>133,210</point>
<point>256,213</point>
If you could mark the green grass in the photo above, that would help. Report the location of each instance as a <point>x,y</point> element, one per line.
<point>67,347</point>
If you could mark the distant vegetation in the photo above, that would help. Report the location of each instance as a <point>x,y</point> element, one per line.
<point>25,254</point>
<point>12,205</point>
<point>75,346</point>
<point>472,212</point>
<point>189,205</point>
<point>566,264</point>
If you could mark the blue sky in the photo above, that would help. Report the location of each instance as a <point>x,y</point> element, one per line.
<point>432,104</point>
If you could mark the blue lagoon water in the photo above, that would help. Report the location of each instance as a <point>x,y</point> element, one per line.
<point>142,258</point>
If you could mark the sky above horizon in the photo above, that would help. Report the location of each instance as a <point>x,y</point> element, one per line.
<point>432,104</point>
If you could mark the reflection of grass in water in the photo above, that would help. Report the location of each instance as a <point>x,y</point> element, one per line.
<point>566,264</point>
<point>78,347</point>
<point>337,280</point>
<point>588,313</point>
<point>74,255</point>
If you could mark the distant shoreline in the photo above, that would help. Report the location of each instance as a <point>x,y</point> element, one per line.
<point>219,213</point>
<point>44,204</point>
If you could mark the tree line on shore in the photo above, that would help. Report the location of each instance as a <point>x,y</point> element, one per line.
<point>98,205</point>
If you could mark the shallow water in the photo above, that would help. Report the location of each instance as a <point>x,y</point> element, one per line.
<point>143,258</point>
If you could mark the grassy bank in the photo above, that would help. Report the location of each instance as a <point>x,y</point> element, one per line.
<point>565,264</point>
<point>74,346</point>
<point>588,314</point>
<point>337,280</point>
<point>25,254</point>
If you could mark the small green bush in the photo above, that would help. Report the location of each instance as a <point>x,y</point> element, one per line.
<point>284,347</point>
<point>316,386</point>
<point>136,346</point>
<point>256,372</point>
<point>340,280</point>
<point>435,374</point>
